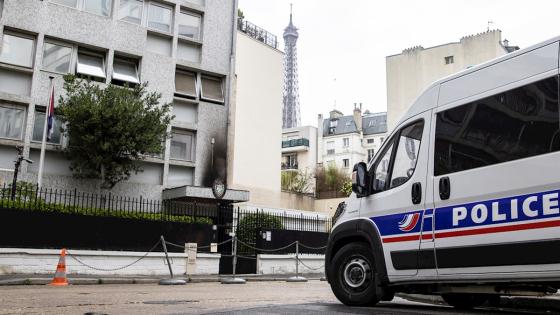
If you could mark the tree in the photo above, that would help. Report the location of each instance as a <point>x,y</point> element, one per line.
<point>300,181</point>
<point>109,129</point>
<point>332,180</point>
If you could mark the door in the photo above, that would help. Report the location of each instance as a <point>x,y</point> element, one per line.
<point>496,183</point>
<point>399,188</point>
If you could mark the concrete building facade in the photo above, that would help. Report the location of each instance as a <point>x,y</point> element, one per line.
<point>411,71</point>
<point>346,140</point>
<point>185,49</point>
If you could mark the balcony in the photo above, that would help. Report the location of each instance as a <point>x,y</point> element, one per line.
<point>257,33</point>
<point>295,145</point>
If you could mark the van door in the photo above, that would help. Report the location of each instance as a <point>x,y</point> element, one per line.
<point>399,180</point>
<point>496,182</point>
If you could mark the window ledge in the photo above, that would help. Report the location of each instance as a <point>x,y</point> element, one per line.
<point>151,159</point>
<point>19,99</point>
<point>184,125</point>
<point>185,100</point>
<point>160,33</point>
<point>181,162</point>
<point>48,146</point>
<point>11,142</point>
<point>16,68</point>
<point>188,64</point>
<point>190,40</point>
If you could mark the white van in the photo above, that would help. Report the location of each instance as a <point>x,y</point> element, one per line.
<point>462,200</point>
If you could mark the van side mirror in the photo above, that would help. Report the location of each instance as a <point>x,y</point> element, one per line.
<point>360,180</point>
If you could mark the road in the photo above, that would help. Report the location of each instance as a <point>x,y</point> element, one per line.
<point>313,297</point>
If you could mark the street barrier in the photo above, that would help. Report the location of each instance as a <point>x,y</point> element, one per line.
<point>60,276</point>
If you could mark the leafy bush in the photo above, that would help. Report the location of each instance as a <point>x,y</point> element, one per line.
<point>300,181</point>
<point>332,179</point>
<point>250,224</point>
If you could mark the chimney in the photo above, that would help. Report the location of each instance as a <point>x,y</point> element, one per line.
<point>506,42</point>
<point>334,114</point>
<point>358,117</point>
<point>319,139</point>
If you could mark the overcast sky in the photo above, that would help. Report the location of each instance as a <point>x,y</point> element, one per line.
<point>348,40</point>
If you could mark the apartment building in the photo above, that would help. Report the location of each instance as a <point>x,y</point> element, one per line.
<point>346,140</point>
<point>185,49</point>
<point>415,68</point>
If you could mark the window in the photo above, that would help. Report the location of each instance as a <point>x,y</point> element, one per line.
<point>189,25</point>
<point>69,3</point>
<point>159,17</point>
<point>15,82</point>
<point>370,154</point>
<point>39,125</point>
<point>187,51</point>
<point>182,145</point>
<point>370,141</point>
<point>125,70</point>
<point>332,125</point>
<point>17,50</point>
<point>90,64</point>
<point>56,58</point>
<point>289,162</point>
<point>406,155</point>
<point>448,60</point>
<point>512,125</point>
<point>11,122</point>
<point>131,11</point>
<point>99,7</point>
<point>345,142</point>
<point>212,89</point>
<point>381,173</point>
<point>330,147</point>
<point>185,83</point>
<point>345,163</point>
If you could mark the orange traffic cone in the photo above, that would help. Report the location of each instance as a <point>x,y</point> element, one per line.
<point>60,274</point>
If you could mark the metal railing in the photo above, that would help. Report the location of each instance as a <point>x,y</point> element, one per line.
<point>295,143</point>
<point>257,33</point>
<point>32,198</point>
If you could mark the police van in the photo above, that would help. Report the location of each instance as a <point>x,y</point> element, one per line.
<point>462,200</point>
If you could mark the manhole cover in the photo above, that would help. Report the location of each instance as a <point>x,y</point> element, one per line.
<point>171,302</point>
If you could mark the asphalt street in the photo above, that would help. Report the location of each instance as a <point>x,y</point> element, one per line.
<point>313,297</point>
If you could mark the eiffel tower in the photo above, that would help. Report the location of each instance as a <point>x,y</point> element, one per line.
<point>290,111</point>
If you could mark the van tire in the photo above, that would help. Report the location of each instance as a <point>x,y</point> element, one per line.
<point>352,275</point>
<point>464,301</point>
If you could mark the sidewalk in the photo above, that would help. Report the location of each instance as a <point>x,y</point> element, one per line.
<point>548,303</point>
<point>81,279</point>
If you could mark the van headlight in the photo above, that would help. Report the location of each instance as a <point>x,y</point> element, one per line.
<point>339,212</point>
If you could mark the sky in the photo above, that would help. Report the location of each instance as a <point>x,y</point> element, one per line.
<point>342,45</point>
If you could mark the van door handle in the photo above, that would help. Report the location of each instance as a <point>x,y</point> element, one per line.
<point>444,188</point>
<point>416,193</point>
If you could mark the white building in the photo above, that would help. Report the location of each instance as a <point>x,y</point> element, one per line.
<point>255,130</point>
<point>411,71</point>
<point>299,148</point>
<point>346,140</point>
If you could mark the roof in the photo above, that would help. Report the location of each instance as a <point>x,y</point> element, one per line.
<point>371,124</point>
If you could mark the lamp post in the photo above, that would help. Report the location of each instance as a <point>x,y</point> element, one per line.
<point>18,160</point>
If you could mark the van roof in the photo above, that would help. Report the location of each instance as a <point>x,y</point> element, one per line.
<point>413,110</point>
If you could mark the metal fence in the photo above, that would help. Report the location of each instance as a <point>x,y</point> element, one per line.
<point>32,198</point>
<point>257,33</point>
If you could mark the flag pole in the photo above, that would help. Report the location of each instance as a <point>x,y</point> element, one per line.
<point>44,141</point>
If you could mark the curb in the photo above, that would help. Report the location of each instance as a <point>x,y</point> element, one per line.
<point>93,281</point>
<point>548,303</point>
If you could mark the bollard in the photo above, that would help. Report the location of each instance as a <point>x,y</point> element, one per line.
<point>297,277</point>
<point>233,279</point>
<point>171,280</point>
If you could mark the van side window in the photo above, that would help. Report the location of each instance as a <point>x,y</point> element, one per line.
<point>397,166</point>
<point>406,155</point>
<point>512,125</point>
<point>381,172</point>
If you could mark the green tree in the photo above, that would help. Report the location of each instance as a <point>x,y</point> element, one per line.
<point>332,179</point>
<point>299,181</point>
<point>109,129</point>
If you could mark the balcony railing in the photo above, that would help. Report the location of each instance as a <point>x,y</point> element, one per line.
<point>288,166</point>
<point>295,143</point>
<point>257,33</point>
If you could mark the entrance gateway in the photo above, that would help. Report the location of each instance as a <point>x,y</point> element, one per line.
<point>204,199</point>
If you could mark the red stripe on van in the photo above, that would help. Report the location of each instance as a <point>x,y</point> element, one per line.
<point>499,229</point>
<point>488,230</point>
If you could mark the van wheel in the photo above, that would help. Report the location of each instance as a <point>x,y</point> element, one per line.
<point>352,275</point>
<point>464,301</point>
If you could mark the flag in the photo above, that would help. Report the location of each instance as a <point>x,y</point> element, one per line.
<point>50,116</point>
